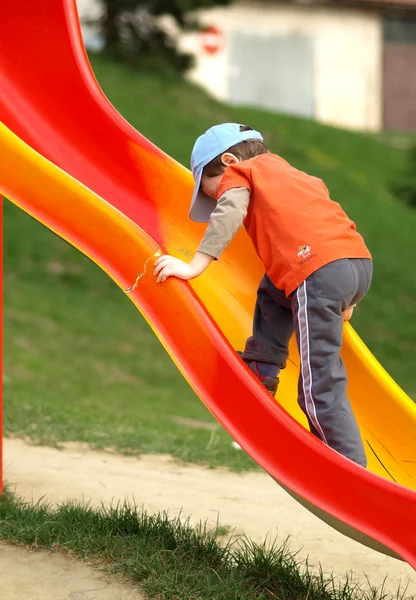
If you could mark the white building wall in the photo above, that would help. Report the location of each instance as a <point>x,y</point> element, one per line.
<point>90,9</point>
<point>347,55</point>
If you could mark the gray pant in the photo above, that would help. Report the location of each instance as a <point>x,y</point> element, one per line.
<point>314,312</point>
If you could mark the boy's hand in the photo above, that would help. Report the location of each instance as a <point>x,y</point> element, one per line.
<point>168,266</point>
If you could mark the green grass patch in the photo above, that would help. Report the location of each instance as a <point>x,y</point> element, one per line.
<point>81,364</point>
<point>168,557</point>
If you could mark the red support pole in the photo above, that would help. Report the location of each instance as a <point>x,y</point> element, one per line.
<point>1,343</point>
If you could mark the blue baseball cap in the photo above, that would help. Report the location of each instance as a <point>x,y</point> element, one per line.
<point>208,146</point>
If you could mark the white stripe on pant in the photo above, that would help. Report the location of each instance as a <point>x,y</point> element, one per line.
<point>304,351</point>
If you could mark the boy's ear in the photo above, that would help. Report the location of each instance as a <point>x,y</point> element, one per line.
<point>229,159</point>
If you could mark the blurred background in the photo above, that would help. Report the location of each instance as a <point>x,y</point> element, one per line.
<point>347,63</point>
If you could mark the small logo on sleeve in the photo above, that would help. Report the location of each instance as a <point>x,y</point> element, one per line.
<point>304,251</point>
<point>305,254</point>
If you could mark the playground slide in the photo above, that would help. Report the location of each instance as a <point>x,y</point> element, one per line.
<point>71,161</point>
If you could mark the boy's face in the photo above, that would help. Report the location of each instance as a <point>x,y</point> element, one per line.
<point>210,185</point>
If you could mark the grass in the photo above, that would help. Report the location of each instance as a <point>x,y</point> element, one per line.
<point>80,364</point>
<point>72,372</point>
<point>169,558</point>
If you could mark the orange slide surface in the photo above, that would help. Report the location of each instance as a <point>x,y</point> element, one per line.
<point>71,161</point>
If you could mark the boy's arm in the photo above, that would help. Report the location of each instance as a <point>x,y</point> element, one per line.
<point>226,219</point>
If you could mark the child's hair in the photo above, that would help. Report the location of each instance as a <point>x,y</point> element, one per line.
<point>242,150</point>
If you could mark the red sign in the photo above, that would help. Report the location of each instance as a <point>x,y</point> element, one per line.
<point>212,40</point>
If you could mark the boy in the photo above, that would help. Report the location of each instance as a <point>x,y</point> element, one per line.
<point>317,267</point>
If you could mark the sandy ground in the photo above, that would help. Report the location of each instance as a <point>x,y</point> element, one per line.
<point>42,576</point>
<point>250,502</point>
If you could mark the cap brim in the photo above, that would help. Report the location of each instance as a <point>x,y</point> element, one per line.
<point>201,205</point>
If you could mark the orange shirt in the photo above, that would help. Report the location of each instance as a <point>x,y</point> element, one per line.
<point>294,225</point>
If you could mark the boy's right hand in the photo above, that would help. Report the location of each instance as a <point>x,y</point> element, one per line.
<point>347,314</point>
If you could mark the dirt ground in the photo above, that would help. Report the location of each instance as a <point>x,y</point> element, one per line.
<point>43,576</point>
<point>251,502</point>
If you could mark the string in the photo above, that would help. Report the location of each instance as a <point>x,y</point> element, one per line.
<point>133,287</point>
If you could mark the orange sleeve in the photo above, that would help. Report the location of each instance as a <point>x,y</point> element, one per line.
<point>235,176</point>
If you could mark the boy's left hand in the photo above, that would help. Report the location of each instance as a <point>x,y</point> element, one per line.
<point>169,266</point>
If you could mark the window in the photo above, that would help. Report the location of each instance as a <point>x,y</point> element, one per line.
<point>400,30</point>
